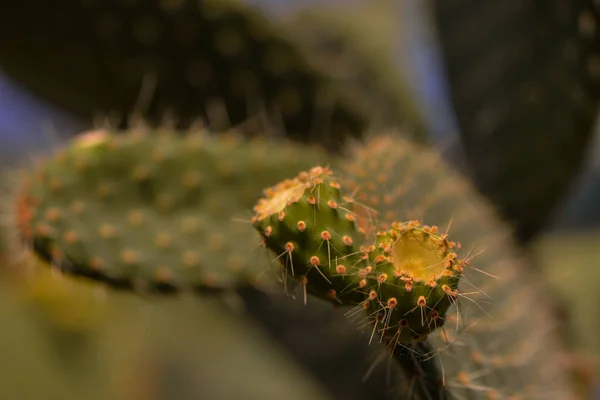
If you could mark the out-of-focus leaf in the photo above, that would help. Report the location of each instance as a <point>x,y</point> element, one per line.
<point>525,83</point>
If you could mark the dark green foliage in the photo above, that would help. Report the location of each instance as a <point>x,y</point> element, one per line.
<point>219,60</point>
<point>525,84</point>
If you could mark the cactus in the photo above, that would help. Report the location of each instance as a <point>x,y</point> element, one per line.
<point>480,347</point>
<point>481,354</point>
<point>415,284</point>
<point>385,180</point>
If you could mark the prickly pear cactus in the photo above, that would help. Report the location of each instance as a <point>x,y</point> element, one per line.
<point>469,329</point>
<point>151,209</point>
<point>481,354</point>
<point>221,60</point>
<point>524,82</point>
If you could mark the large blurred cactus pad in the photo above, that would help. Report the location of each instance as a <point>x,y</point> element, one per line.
<point>151,208</point>
<point>525,83</point>
<point>482,354</point>
<point>217,59</point>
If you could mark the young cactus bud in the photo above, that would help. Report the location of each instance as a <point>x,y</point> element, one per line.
<point>406,278</point>
<point>307,222</point>
<point>412,281</point>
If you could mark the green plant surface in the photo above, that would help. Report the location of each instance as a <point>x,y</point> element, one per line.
<point>307,224</point>
<point>207,345</point>
<point>29,368</point>
<point>210,345</point>
<point>151,209</point>
<point>406,278</point>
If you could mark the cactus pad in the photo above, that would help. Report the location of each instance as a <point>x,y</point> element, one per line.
<point>220,60</point>
<point>521,74</point>
<point>149,209</point>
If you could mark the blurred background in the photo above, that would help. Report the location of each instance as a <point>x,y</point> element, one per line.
<point>506,92</point>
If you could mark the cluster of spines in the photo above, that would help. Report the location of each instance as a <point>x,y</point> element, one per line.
<point>411,281</point>
<point>405,297</point>
<point>320,235</point>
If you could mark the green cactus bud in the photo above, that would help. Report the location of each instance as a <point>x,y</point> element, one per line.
<point>412,282</point>
<point>307,223</point>
<point>150,209</point>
